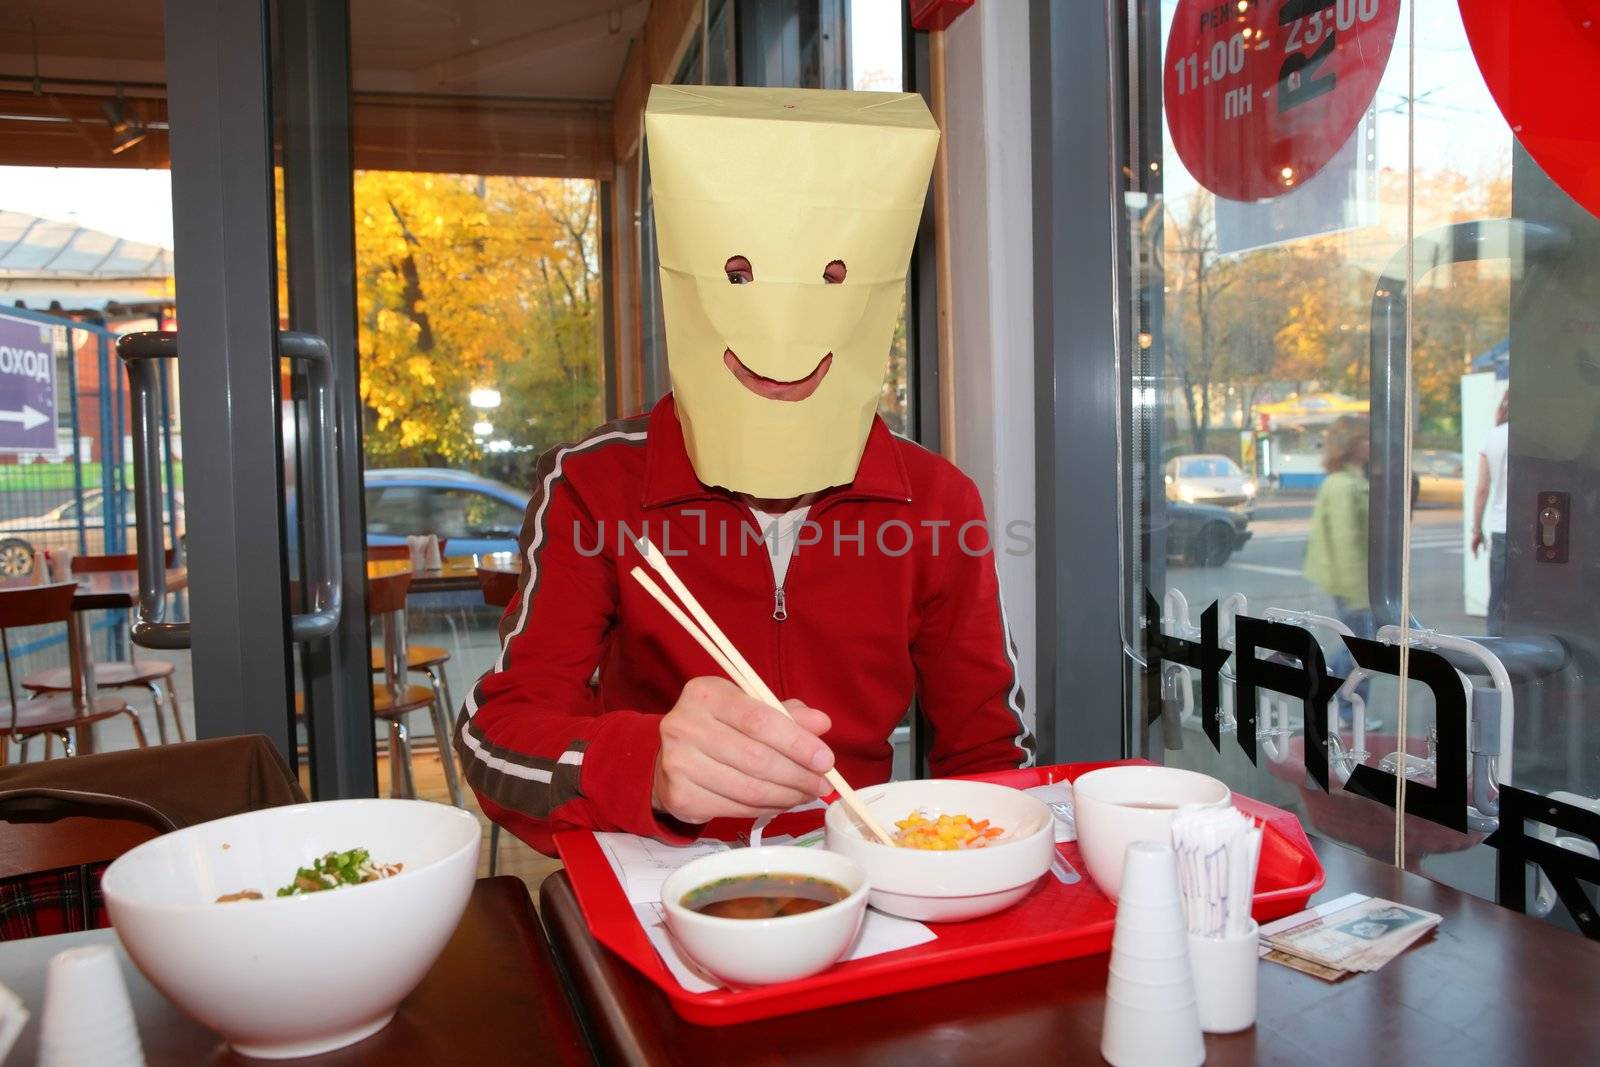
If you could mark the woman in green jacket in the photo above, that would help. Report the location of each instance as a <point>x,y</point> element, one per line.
<point>1336,554</point>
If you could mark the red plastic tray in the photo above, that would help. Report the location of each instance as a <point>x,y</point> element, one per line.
<point>1054,922</point>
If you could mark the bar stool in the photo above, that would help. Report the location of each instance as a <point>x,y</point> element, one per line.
<point>63,714</point>
<point>156,676</point>
<point>426,660</point>
<point>394,699</point>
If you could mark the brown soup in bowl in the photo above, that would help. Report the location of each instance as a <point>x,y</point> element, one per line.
<point>763,896</point>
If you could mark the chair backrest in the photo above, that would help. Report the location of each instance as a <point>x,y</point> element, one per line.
<point>388,594</point>
<point>122,561</point>
<point>36,605</point>
<point>498,586</point>
<point>48,829</point>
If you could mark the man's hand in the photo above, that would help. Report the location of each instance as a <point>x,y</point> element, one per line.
<point>1477,542</point>
<point>726,755</point>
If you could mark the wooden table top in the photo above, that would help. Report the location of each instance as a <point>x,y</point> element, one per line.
<point>100,590</point>
<point>494,996</point>
<point>456,574</point>
<point>1491,987</point>
<point>118,589</point>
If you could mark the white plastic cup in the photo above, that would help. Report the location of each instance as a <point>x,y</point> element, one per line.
<point>88,1018</point>
<point>1151,1017</point>
<point>1151,1035</point>
<point>60,564</point>
<point>1225,980</point>
<point>1162,920</point>
<point>432,557</point>
<point>1142,968</point>
<point>419,554</point>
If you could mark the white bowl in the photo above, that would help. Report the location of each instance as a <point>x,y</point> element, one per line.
<point>1105,805</point>
<point>948,886</point>
<point>294,976</point>
<point>763,951</point>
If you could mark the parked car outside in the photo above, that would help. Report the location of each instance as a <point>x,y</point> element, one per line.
<point>475,515</point>
<point>1437,477</point>
<point>57,528</point>
<point>1204,535</point>
<point>1208,478</point>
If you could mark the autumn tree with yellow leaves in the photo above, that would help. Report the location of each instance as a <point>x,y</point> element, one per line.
<point>468,281</point>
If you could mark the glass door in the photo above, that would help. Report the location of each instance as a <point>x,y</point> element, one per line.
<point>266,352</point>
<point>1361,444</point>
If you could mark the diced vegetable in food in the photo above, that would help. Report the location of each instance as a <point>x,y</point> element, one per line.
<point>945,833</point>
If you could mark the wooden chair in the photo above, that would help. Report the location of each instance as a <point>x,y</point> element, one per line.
<point>153,675</point>
<point>62,714</point>
<point>499,587</point>
<point>48,830</point>
<point>394,698</point>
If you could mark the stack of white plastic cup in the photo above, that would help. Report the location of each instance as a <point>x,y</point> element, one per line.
<point>1151,1015</point>
<point>60,561</point>
<point>88,1018</point>
<point>416,545</point>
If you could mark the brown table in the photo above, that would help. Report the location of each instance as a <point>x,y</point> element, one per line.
<point>494,996</point>
<point>458,573</point>
<point>1491,987</point>
<point>100,590</point>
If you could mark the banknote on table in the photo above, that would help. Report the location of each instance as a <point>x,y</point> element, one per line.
<point>1362,936</point>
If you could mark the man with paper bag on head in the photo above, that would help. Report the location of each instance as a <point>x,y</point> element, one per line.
<point>852,569</point>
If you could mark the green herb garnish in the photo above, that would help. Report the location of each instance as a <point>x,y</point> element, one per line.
<point>336,869</point>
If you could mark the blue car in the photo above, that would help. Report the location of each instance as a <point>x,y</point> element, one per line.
<point>475,515</point>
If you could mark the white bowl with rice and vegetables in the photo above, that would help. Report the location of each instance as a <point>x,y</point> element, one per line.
<point>357,898</point>
<point>967,848</point>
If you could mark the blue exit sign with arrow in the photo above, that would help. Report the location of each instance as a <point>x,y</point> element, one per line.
<point>27,386</point>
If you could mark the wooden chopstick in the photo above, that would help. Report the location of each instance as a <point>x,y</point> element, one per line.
<point>711,638</point>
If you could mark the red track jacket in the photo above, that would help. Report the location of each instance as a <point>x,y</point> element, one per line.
<point>891,593</point>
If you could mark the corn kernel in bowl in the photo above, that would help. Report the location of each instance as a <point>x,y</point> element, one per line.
<point>945,833</point>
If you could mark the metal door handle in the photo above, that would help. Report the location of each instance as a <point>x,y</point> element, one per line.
<point>138,352</point>
<point>321,515</point>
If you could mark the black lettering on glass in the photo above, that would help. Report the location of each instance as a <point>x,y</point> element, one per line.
<point>1564,867</point>
<point>1444,802</point>
<point>1310,682</point>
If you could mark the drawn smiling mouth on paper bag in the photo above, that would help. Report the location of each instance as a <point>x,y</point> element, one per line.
<point>772,388</point>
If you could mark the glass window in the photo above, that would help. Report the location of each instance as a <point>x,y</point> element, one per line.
<point>397,510</point>
<point>1370,312</point>
<point>465,513</point>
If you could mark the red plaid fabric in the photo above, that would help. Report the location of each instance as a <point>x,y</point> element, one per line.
<point>52,902</point>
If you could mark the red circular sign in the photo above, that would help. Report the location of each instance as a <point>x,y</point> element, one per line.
<point>1539,61</point>
<point>1260,94</point>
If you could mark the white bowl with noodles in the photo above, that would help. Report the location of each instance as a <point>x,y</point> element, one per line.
<point>949,886</point>
<point>780,948</point>
<point>298,975</point>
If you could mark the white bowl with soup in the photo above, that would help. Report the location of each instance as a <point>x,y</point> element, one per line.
<point>1116,806</point>
<point>755,916</point>
<point>961,883</point>
<point>296,975</point>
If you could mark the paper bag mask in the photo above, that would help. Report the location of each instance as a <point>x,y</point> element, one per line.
<point>797,182</point>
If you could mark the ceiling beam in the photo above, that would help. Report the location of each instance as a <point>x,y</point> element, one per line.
<point>465,68</point>
<point>668,32</point>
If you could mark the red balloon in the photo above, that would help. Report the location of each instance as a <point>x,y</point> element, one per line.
<point>1260,95</point>
<point>1539,61</point>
